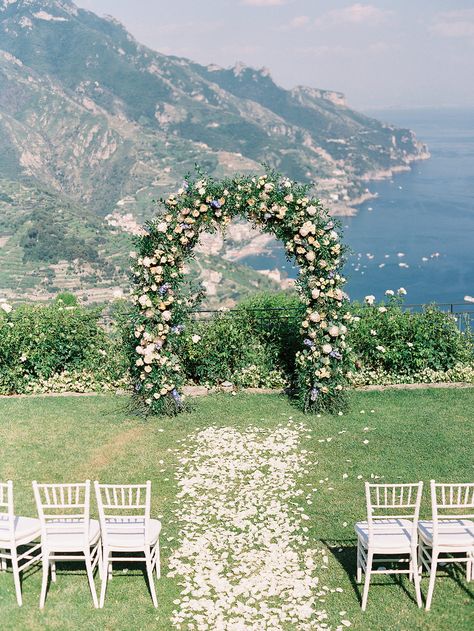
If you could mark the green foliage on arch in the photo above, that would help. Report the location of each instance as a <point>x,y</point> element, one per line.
<point>275,205</point>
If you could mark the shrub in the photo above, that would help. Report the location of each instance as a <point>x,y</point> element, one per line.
<point>40,342</point>
<point>275,319</point>
<point>226,349</point>
<point>386,339</point>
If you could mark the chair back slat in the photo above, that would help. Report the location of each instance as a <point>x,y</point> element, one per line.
<point>393,501</point>
<point>123,509</point>
<point>63,508</point>
<point>7,515</point>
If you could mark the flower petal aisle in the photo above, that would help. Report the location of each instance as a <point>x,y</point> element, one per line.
<point>245,560</point>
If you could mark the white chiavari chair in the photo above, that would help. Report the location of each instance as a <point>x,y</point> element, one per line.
<point>449,536</point>
<point>126,527</point>
<point>16,531</point>
<point>390,531</point>
<point>67,532</point>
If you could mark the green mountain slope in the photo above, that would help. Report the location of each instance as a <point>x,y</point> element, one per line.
<point>95,124</point>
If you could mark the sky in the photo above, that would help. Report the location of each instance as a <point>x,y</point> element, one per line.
<point>380,53</point>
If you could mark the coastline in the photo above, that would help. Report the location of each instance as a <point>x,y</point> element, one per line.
<point>350,209</point>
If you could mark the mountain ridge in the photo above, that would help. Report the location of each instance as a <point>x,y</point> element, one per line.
<point>96,118</point>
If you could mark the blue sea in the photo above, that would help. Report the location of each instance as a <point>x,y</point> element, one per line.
<point>418,233</point>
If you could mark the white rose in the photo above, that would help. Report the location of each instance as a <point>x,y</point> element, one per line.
<point>166,315</point>
<point>334,331</point>
<point>382,309</point>
<point>327,348</point>
<point>402,291</point>
<point>389,292</point>
<point>162,226</point>
<point>196,338</point>
<point>315,317</point>
<point>370,299</point>
<point>311,210</point>
<point>315,293</point>
<point>144,300</point>
<point>310,256</point>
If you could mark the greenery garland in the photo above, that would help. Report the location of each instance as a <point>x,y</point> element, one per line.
<point>275,205</point>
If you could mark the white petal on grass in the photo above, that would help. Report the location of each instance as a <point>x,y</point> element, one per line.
<point>245,561</point>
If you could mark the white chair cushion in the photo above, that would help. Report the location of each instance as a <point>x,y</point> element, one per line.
<point>68,536</point>
<point>26,529</point>
<point>128,534</point>
<point>451,532</point>
<point>387,533</point>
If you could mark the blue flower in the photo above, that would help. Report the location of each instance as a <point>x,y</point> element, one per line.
<point>308,342</point>
<point>335,354</point>
<point>314,394</point>
<point>175,395</point>
<point>215,204</point>
<point>177,329</point>
<point>163,289</point>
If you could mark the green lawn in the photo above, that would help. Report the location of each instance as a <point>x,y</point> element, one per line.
<point>413,435</point>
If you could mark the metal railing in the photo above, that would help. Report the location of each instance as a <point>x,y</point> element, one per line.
<point>462,312</point>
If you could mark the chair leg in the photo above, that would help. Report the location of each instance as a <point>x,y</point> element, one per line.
<point>16,576</point>
<point>110,571</point>
<point>359,565</point>
<point>158,560</point>
<point>434,565</point>
<point>368,569</point>
<point>416,577</point>
<point>100,562</point>
<point>3,562</point>
<point>44,583</point>
<point>105,566</point>
<point>149,571</point>
<point>420,556</point>
<point>90,577</point>
<point>53,571</point>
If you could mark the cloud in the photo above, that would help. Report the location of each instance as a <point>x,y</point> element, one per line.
<point>354,14</point>
<point>454,23</point>
<point>299,21</point>
<point>264,3</point>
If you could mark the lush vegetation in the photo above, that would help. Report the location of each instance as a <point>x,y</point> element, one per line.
<point>57,347</point>
<point>48,238</point>
<point>413,435</point>
<point>65,347</point>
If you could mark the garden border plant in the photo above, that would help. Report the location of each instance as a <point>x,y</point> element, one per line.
<point>275,205</point>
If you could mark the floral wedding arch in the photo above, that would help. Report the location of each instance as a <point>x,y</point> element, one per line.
<point>275,205</point>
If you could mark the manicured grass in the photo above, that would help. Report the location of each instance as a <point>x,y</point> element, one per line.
<point>413,435</point>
